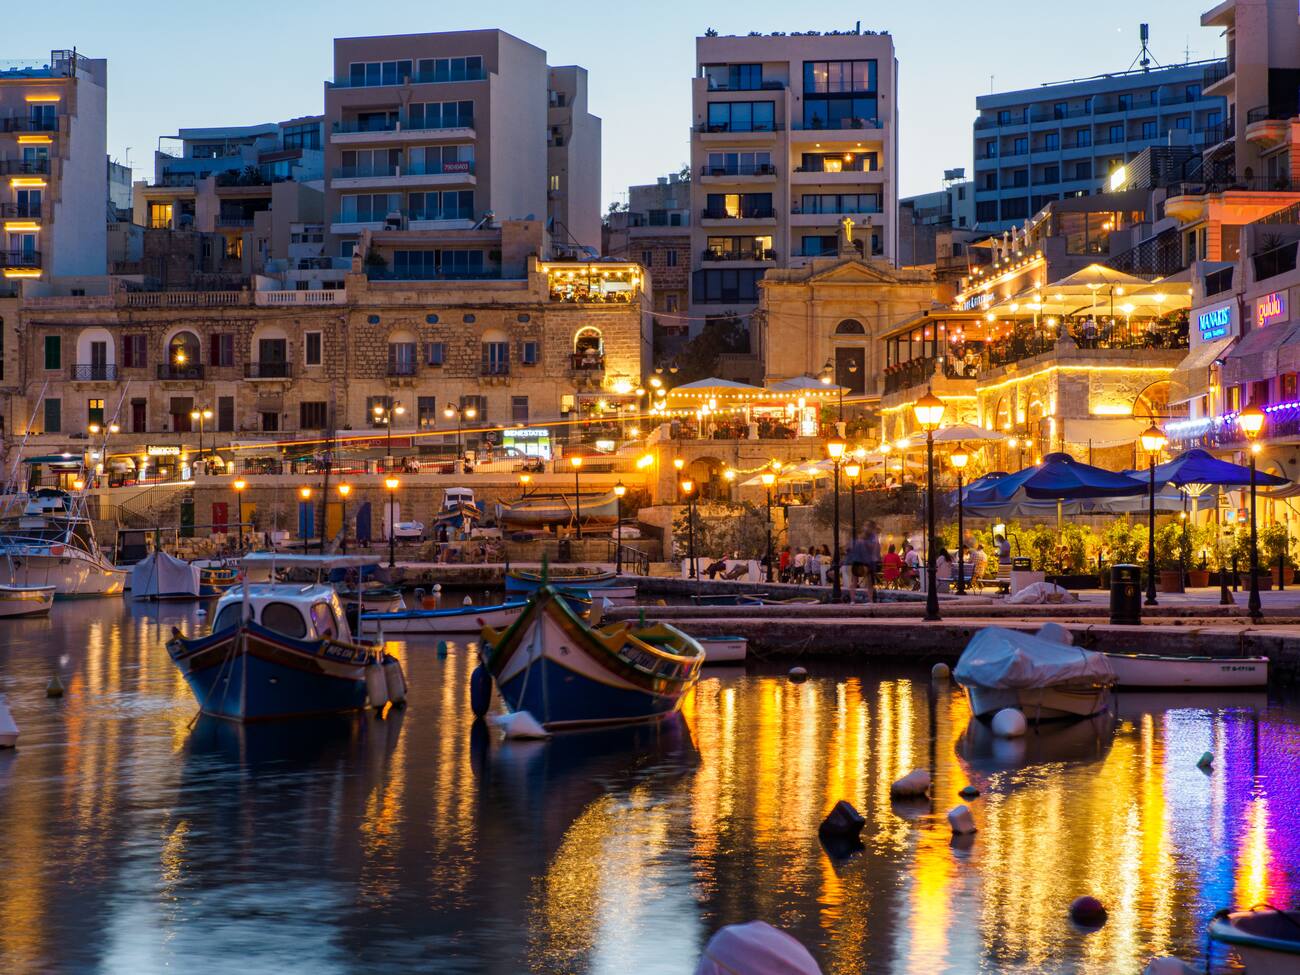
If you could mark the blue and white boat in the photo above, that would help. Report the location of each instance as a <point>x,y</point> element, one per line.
<point>282,650</point>
<point>457,621</point>
<point>521,581</point>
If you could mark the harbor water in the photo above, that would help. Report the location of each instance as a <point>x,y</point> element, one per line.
<point>134,838</point>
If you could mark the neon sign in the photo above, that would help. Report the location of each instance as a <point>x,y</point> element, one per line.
<point>1214,324</point>
<point>1270,308</point>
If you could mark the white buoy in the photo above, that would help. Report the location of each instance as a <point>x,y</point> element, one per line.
<point>798,675</point>
<point>1009,723</point>
<point>1056,633</point>
<point>912,785</point>
<point>8,727</point>
<point>940,671</point>
<point>376,686</point>
<point>961,821</point>
<point>1168,965</point>
<point>1206,762</point>
<point>467,601</point>
<point>520,724</point>
<point>395,680</point>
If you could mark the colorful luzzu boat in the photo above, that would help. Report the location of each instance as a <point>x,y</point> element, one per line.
<point>216,579</point>
<point>567,674</point>
<point>520,581</point>
<point>281,650</point>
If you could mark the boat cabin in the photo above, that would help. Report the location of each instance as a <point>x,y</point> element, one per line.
<point>301,612</point>
<point>453,498</point>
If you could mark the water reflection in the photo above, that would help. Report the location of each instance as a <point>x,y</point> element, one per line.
<point>139,840</point>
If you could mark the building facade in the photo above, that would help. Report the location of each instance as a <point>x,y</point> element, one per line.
<point>53,172</point>
<point>1063,140</point>
<point>790,133</point>
<point>572,163</point>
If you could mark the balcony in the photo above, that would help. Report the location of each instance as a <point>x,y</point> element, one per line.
<point>1220,132</point>
<point>415,78</point>
<point>1269,125</point>
<point>1275,261</point>
<point>182,372</point>
<point>93,372</point>
<point>937,373</point>
<point>757,128</point>
<point>22,259</point>
<point>399,130</point>
<point>234,220</point>
<point>268,370</point>
<point>754,254</point>
<point>24,167</point>
<point>751,170</point>
<point>495,369</point>
<point>19,211</point>
<point>458,173</point>
<point>587,362</point>
<point>725,216</point>
<point>28,125</point>
<point>767,84</point>
<point>1215,73</point>
<point>399,368</point>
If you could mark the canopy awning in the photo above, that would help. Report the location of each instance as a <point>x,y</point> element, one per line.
<point>1256,355</point>
<point>1190,378</point>
<point>713,388</point>
<point>57,460</point>
<point>962,432</point>
<point>803,386</point>
<point>1103,431</point>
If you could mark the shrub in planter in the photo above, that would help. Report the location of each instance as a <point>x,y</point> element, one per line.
<point>1275,549</point>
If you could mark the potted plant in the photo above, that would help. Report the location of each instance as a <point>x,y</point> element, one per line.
<point>1120,544</point>
<point>1169,560</point>
<point>1275,547</point>
<point>1241,551</point>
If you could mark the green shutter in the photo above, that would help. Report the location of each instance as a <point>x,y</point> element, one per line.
<point>53,414</point>
<point>53,352</point>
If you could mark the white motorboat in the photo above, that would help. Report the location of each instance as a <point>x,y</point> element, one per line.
<point>162,576</point>
<point>1266,940</point>
<point>723,649</point>
<point>25,600</point>
<point>52,544</point>
<point>8,727</point>
<point>1210,673</point>
<point>458,621</point>
<point>1043,677</point>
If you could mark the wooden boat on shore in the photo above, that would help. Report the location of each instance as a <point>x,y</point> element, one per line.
<point>566,674</point>
<point>1152,671</point>
<point>280,650</point>
<point>1043,678</point>
<point>522,581</point>
<point>542,510</point>
<point>458,621</point>
<point>25,600</point>
<point>1265,939</point>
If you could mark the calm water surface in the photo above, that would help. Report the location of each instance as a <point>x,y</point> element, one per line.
<point>132,841</point>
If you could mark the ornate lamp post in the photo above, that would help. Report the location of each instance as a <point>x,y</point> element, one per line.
<point>854,471</point>
<point>836,451</point>
<point>391,483</point>
<point>619,490</point>
<point>385,416</point>
<point>524,481</point>
<point>239,485</point>
<point>929,411</point>
<point>460,413</point>
<point>688,489</point>
<point>959,458</point>
<point>1153,441</point>
<point>198,416</point>
<point>576,461</point>
<point>769,478</point>
<point>1251,421</point>
<point>344,490</point>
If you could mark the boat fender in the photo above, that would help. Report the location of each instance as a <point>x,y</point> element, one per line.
<point>480,691</point>
<point>969,792</point>
<point>912,785</point>
<point>1088,911</point>
<point>1168,965</point>
<point>961,821</point>
<point>798,675</point>
<point>419,596</point>
<point>467,601</point>
<point>376,686</point>
<point>200,612</point>
<point>520,725</point>
<point>755,946</point>
<point>395,680</point>
<point>940,672</point>
<point>54,688</point>
<point>1206,762</point>
<point>442,649</point>
<point>1009,723</point>
<point>1056,633</point>
<point>842,822</point>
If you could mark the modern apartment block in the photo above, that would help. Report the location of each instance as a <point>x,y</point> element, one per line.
<point>1062,140</point>
<point>791,134</point>
<point>53,172</point>
<point>572,162</point>
<point>435,133</point>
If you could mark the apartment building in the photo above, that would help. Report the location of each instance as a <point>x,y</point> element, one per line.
<point>53,172</point>
<point>1067,139</point>
<point>791,134</point>
<point>572,163</point>
<point>435,133</point>
<point>925,218</point>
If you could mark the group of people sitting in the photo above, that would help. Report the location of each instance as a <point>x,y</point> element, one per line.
<point>804,565</point>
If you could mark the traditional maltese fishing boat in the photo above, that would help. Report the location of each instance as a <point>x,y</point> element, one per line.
<point>567,674</point>
<point>521,581</point>
<point>279,650</point>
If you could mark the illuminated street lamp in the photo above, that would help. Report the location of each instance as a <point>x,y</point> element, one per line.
<point>391,483</point>
<point>835,449</point>
<point>384,415</point>
<point>344,491</point>
<point>524,481</point>
<point>239,485</point>
<point>929,411</point>
<point>576,461</point>
<point>769,478</point>
<point>198,416</point>
<point>620,489</point>
<point>688,488</point>
<point>1153,441</point>
<point>854,472</point>
<point>959,459</point>
<point>1251,421</point>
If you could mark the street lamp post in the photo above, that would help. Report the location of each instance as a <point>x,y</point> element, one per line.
<point>1153,441</point>
<point>460,413</point>
<point>854,471</point>
<point>391,484</point>
<point>619,490</point>
<point>688,487</point>
<point>524,481</point>
<point>1251,421</point>
<point>344,490</point>
<point>959,459</point>
<point>239,486</point>
<point>929,411</point>
<point>769,478</point>
<point>384,415</point>
<point>836,451</point>
<point>576,461</point>
<point>199,416</point>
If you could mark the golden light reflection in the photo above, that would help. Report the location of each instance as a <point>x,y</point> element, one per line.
<point>1252,886</point>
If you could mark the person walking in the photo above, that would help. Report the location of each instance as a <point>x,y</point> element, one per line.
<point>858,556</point>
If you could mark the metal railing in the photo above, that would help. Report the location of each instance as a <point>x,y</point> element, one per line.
<point>750,254</point>
<point>20,259</point>
<point>1161,255</point>
<point>24,211</point>
<point>740,169</point>
<point>402,368</point>
<point>181,371</point>
<point>268,370</point>
<point>585,362</point>
<point>351,126</point>
<point>24,167</point>
<point>28,125</point>
<point>100,372</point>
<point>494,369</point>
<point>1272,113</point>
<point>751,127</point>
<point>1216,73</point>
<point>750,213</point>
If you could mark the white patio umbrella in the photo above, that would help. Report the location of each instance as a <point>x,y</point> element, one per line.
<point>961,432</point>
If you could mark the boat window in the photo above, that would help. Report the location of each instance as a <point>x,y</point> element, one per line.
<point>322,618</point>
<point>284,618</point>
<point>227,618</point>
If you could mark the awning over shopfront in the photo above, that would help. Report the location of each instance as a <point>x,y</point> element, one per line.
<point>1256,355</point>
<point>1103,431</point>
<point>1191,378</point>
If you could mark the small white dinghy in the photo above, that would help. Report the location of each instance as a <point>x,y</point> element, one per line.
<point>8,727</point>
<point>25,600</point>
<point>723,649</point>
<point>1211,673</point>
<point>1267,940</point>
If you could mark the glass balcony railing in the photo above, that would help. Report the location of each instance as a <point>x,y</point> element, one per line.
<point>21,259</point>
<point>399,124</point>
<point>24,167</point>
<point>462,168</point>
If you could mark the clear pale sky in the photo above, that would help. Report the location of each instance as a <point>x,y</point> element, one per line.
<point>239,62</point>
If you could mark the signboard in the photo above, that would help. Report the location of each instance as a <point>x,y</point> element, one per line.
<point>1270,308</point>
<point>162,450</point>
<point>455,167</point>
<point>981,300</point>
<point>1215,323</point>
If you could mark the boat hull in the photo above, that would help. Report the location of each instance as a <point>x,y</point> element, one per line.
<point>214,582</point>
<point>467,621</point>
<point>34,601</point>
<point>1212,673</point>
<point>1266,941</point>
<point>250,673</point>
<point>72,574</point>
<point>723,649</point>
<point>1055,702</point>
<point>529,582</point>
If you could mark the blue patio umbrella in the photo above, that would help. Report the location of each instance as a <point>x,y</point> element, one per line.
<point>1058,478</point>
<point>1201,467</point>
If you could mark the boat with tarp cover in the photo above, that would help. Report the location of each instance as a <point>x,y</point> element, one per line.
<point>567,674</point>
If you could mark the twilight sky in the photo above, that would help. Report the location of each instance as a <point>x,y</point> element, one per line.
<point>240,62</point>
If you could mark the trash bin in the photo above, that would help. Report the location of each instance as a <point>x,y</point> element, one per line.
<point>1125,595</point>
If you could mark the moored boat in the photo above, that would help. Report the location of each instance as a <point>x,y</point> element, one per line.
<point>216,579</point>
<point>25,600</point>
<point>52,543</point>
<point>522,581</point>
<point>459,620</point>
<point>279,650</point>
<point>1044,678</point>
<point>1209,673</point>
<point>723,649</point>
<point>566,674</point>
<point>1265,939</point>
<point>459,512</point>
<point>541,510</point>
<point>162,576</point>
<point>8,727</point>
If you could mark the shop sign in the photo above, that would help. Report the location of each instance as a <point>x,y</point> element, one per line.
<point>980,300</point>
<point>1270,308</point>
<point>162,450</point>
<point>1214,323</point>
